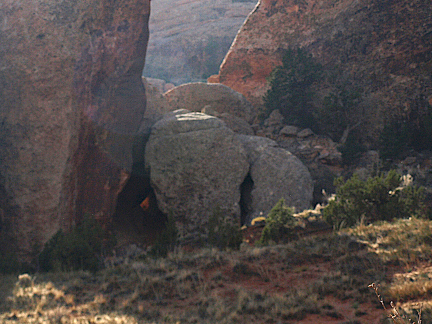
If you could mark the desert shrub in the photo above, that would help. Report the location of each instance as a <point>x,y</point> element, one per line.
<point>411,131</point>
<point>224,231</point>
<point>83,248</point>
<point>377,198</point>
<point>279,224</point>
<point>291,88</point>
<point>167,240</point>
<point>352,149</point>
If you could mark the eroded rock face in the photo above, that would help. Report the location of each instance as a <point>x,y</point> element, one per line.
<point>384,46</point>
<point>71,101</point>
<point>196,166</point>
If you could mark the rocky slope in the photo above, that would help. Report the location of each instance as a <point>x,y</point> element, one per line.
<point>71,98</point>
<point>383,46</point>
<point>189,38</point>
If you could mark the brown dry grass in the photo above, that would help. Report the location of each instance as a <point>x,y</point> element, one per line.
<point>317,279</point>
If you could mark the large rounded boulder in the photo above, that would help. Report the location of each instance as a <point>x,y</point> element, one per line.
<point>196,166</point>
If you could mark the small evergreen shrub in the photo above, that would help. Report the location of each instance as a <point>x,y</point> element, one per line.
<point>224,231</point>
<point>167,239</point>
<point>377,198</point>
<point>83,248</point>
<point>351,150</point>
<point>279,224</point>
<point>340,112</point>
<point>291,88</point>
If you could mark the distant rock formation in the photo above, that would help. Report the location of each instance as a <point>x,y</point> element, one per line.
<point>189,39</point>
<point>383,46</point>
<point>71,101</point>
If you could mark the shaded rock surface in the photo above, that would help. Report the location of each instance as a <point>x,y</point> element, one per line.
<point>196,166</point>
<point>190,38</point>
<point>156,105</point>
<point>276,174</point>
<point>71,101</point>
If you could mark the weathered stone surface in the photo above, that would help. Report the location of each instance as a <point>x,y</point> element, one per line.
<point>189,39</point>
<point>276,174</point>
<point>195,96</point>
<point>196,165</point>
<point>237,124</point>
<point>385,46</point>
<point>71,98</point>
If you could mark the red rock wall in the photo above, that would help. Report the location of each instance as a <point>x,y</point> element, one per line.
<point>385,45</point>
<point>71,100</point>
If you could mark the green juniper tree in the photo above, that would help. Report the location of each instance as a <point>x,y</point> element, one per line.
<point>291,88</point>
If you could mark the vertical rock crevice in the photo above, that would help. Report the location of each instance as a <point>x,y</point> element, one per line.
<point>246,199</point>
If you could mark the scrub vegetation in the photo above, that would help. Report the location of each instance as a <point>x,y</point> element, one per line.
<point>280,277</point>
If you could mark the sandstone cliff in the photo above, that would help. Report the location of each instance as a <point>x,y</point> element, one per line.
<point>189,38</point>
<point>71,97</point>
<point>384,46</point>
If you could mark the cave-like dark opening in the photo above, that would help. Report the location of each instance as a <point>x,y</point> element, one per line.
<point>137,218</point>
<point>246,198</point>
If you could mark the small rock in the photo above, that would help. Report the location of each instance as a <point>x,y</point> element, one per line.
<point>305,133</point>
<point>289,131</point>
<point>275,119</point>
<point>409,160</point>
